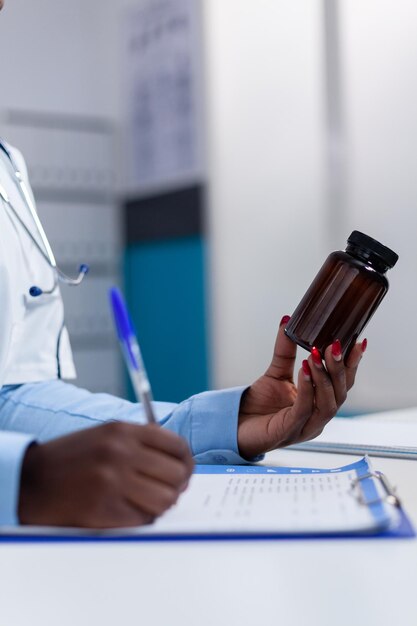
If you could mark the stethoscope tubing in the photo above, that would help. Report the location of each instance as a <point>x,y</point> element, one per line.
<point>47,252</point>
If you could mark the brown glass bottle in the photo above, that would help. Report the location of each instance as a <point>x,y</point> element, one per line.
<point>344,295</point>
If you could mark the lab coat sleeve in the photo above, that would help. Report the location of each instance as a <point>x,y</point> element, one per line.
<point>6,311</point>
<point>5,316</point>
<point>13,447</point>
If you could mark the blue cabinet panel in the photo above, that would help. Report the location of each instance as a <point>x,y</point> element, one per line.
<point>166,294</point>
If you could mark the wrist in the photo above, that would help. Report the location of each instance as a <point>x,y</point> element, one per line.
<point>249,446</point>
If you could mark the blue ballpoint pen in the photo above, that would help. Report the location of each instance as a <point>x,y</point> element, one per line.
<point>131,352</point>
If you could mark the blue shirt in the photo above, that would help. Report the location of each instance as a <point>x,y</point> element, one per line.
<point>46,410</point>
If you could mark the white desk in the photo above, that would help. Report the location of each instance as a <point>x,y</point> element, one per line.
<point>289,583</point>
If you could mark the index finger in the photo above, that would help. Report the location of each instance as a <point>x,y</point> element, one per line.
<point>283,359</point>
<point>153,436</point>
<point>352,362</point>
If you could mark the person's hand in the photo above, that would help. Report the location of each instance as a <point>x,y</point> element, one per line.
<point>274,412</point>
<point>112,475</point>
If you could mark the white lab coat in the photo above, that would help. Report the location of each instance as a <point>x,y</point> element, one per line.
<point>29,327</point>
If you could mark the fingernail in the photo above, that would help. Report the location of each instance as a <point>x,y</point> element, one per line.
<point>285,320</point>
<point>306,370</point>
<point>337,350</point>
<point>315,353</point>
<point>364,345</point>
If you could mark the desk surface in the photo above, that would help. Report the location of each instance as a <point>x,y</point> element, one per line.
<point>293,583</point>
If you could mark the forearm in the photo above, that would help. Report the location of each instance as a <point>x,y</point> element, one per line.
<point>53,409</point>
<point>208,421</point>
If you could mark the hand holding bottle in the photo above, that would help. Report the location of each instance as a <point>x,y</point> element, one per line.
<point>275,412</point>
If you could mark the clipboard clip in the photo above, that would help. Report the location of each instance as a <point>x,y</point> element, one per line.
<point>390,497</point>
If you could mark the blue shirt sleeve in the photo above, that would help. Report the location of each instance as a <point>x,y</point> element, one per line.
<point>12,450</point>
<point>209,422</point>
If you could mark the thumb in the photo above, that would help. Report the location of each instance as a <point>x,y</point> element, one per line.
<point>283,360</point>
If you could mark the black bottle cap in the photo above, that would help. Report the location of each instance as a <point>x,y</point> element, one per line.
<point>388,256</point>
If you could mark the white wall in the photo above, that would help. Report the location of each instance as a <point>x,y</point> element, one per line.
<point>267,172</point>
<point>265,126</point>
<point>380,85</point>
<point>54,57</point>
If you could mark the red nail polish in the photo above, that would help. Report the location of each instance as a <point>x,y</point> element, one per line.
<point>337,350</point>
<point>285,320</point>
<point>364,345</point>
<point>316,357</point>
<point>306,370</point>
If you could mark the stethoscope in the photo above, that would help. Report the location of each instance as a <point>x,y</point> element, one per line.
<point>47,253</point>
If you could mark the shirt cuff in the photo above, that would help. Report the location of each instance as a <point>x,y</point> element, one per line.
<point>214,423</point>
<point>13,447</point>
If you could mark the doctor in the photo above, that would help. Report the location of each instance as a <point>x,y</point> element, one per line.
<point>69,457</point>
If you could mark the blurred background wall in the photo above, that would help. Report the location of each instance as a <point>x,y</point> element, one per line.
<point>304,126</point>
